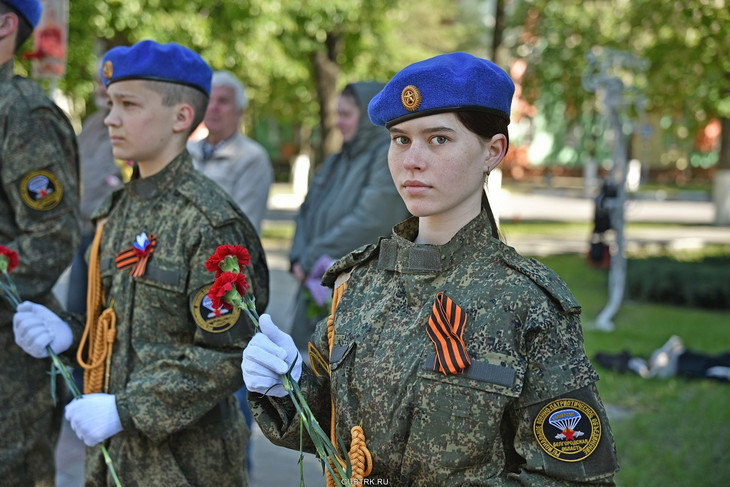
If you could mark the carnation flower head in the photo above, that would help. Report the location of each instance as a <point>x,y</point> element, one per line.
<point>228,258</point>
<point>8,259</point>
<point>227,288</point>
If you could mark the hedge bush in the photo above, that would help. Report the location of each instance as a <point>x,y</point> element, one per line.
<point>703,283</point>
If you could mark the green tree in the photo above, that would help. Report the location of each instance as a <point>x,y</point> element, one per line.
<point>292,55</point>
<point>685,44</point>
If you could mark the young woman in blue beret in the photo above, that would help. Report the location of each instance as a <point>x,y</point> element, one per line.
<point>461,362</point>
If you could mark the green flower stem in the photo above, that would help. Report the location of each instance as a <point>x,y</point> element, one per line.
<point>324,447</point>
<point>301,452</point>
<point>11,293</point>
<point>64,372</point>
<point>61,368</point>
<point>110,465</point>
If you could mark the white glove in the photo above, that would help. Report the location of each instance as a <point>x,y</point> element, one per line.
<point>94,417</point>
<point>268,356</point>
<point>36,326</point>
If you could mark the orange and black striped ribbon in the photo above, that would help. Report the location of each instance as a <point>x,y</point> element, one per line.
<point>130,258</point>
<point>445,328</point>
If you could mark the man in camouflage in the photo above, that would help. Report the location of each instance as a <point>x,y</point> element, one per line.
<point>39,220</point>
<point>167,414</point>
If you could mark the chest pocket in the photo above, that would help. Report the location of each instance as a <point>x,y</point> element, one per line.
<point>342,364</point>
<point>167,277</point>
<point>163,287</point>
<point>456,424</point>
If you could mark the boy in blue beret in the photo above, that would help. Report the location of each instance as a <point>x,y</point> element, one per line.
<point>161,398</point>
<point>462,361</point>
<point>28,13</point>
<point>39,220</point>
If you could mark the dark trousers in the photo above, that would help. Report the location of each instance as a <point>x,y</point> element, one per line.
<point>693,364</point>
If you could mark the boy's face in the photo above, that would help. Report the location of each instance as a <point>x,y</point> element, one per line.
<point>140,126</point>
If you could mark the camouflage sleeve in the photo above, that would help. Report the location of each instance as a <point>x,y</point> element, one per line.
<point>168,395</point>
<point>40,175</point>
<point>561,430</point>
<point>566,440</point>
<point>200,280</point>
<point>278,418</point>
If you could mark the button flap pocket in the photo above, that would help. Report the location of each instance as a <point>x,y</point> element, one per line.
<point>492,373</point>
<point>339,355</point>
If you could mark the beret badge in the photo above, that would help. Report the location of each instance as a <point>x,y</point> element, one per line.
<point>108,70</point>
<point>411,98</point>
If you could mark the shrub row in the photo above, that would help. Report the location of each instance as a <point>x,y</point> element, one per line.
<point>702,284</point>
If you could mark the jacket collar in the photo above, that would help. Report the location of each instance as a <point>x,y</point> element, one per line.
<point>399,253</point>
<point>162,181</point>
<point>6,70</point>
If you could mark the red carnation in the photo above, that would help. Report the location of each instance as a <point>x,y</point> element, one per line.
<point>11,256</point>
<point>223,251</point>
<point>226,283</point>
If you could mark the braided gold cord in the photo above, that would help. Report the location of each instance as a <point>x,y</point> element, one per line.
<point>100,330</point>
<point>360,457</point>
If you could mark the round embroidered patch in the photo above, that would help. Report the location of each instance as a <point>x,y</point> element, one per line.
<point>567,429</point>
<point>411,98</point>
<point>41,190</point>
<point>210,319</point>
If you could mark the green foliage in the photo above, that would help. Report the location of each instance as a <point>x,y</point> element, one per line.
<point>270,45</point>
<point>684,43</point>
<point>664,279</point>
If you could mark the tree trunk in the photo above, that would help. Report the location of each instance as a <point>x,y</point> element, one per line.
<point>326,73</point>
<point>497,33</point>
<point>721,183</point>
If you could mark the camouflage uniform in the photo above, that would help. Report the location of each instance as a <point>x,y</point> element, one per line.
<point>38,219</point>
<point>423,428</point>
<point>173,380</point>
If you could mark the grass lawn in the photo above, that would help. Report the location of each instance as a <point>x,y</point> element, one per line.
<point>673,432</point>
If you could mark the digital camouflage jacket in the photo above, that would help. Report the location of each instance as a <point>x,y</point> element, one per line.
<point>176,362</point>
<point>524,412</point>
<point>39,219</point>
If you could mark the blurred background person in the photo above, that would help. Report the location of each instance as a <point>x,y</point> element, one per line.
<point>240,165</point>
<point>351,201</point>
<point>39,221</point>
<point>100,175</point>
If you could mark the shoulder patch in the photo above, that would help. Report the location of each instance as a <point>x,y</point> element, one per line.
<point>348,262</point>
<point>567,429</point>
<point>41,190</point>
<point>544,277</point>
<point>208,318</point>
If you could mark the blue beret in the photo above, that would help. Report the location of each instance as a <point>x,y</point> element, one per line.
<point>445,83</point>
<point>30,9</point>
<point>150,60</point>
